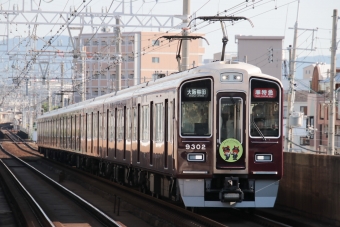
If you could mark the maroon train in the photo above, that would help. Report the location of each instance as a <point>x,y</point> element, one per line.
<point>209,136</point>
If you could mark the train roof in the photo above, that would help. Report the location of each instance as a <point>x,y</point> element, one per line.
<point>172,81</point>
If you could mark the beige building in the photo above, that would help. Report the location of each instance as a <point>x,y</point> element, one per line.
<point>266,52</point>
<point>144,56</point>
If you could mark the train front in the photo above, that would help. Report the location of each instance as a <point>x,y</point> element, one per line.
<point>230,147</point>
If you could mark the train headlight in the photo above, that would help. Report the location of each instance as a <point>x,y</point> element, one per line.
<point>263,158</point>
<point>231,77</point>
<point>196,157</point>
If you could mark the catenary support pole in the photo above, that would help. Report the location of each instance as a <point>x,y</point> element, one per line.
<point>291,92</point>
<point>185,43</point>
<point>331,123</point>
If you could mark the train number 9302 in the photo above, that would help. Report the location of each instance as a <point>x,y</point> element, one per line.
<point>195,146</point>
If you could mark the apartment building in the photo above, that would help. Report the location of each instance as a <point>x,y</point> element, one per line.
<point>144,56</point>
<point>318,109</point>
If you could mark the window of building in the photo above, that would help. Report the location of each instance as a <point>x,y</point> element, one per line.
<point>285,112</point>
<point>320,138</point>
<point>322,111</point>
<point>95,76</point>
<point>155,59</point>
<point>155,42</point>
<point>303,109</point>
<point>337,129</point>
<point>304,141</point>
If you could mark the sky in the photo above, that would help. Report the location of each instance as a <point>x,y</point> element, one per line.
<point>269,17</point>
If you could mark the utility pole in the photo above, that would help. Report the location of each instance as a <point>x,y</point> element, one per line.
<point>331,122</point>
<point>49,93</point>
<point>118,86</point>
<point>185,43</point>
<point>291,93</point>
<point>62,84</point>
<point>83,76</point>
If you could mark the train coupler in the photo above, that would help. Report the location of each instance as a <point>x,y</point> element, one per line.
<point>231,191</point>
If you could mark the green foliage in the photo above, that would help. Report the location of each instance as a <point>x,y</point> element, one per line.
<point>45,107</point>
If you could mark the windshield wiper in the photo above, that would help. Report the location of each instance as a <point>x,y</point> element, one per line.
<point>258,129</point>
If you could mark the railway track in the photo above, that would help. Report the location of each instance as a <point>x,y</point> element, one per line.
<point>149,207</point>
<point>53,204</point>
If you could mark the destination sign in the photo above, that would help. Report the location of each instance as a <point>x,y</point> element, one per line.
<point>196,92</point>
<point>264,93</point>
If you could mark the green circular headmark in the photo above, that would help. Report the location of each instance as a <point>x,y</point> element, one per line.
<point>231,150</point>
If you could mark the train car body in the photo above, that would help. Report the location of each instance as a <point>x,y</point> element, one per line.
<point>192,136</point>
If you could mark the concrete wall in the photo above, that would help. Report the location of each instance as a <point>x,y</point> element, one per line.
<point>310,186</point>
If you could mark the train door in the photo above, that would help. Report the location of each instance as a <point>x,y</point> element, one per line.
<point>166,133</point>
<point>151,133</point>
<point>230,123</point>
<point>125,134</point>
<point>133,134</point>
<point>137,120</point>
<point>71,132</point>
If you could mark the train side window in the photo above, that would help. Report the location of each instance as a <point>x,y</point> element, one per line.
<point>145,123</point>
<point>112,126</point>
<point>128,124</point>
<point>107,130</point>
<point>120,124</point>
<point>159,127</point>
<point>60,133</point>
<point>134,128</point>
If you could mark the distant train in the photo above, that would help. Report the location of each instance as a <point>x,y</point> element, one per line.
<point>210,136</point>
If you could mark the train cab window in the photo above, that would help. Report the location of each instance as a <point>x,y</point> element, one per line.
<point>196,107</point>
<point>231,113</point>
<point>265,109</point>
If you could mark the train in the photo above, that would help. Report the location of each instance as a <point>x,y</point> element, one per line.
<point>192,136</point>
